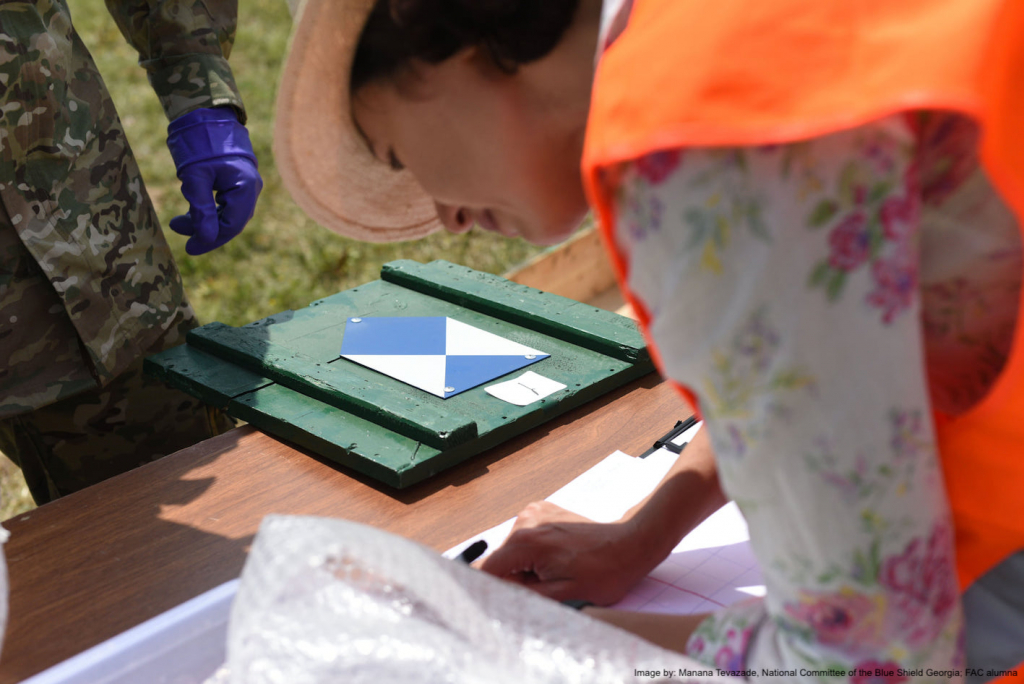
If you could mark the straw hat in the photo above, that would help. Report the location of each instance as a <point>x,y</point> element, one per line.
<point>323,161</point>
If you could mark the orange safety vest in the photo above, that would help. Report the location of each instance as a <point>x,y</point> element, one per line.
<point>689,73</point>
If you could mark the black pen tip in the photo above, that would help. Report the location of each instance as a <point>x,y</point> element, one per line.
<point>473,551</point>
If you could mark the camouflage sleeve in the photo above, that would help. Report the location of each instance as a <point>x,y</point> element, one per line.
<point>184,47</point>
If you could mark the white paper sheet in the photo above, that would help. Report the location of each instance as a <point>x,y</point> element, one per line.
<point>526,389</point>
<point>712,567</point>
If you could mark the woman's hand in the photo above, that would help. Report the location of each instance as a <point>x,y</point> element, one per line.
<point>563,555</point>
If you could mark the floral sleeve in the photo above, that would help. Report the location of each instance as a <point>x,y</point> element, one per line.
<point>782,284</point>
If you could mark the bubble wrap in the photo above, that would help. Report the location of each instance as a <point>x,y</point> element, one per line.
<point>326,601</point>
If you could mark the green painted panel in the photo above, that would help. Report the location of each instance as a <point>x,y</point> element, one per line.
<point>321,338</point>
<point>284,374</point>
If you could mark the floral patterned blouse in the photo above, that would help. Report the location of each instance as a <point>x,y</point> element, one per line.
<point>820,299</point>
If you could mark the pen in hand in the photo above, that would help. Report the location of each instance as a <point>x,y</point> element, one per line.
<point>473,551</point>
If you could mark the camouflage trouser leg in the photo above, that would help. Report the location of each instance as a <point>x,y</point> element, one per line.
<point>72,433</point>
<point>80,441</point>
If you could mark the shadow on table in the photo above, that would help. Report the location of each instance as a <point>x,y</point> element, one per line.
<point>92,564</point>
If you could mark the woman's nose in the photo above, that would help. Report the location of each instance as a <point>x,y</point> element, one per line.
<point>455,219</point>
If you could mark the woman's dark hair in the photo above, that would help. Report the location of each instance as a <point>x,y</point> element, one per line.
<point>512,32</point>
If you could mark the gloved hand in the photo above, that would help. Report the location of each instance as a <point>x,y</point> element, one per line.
<point>214,159</point>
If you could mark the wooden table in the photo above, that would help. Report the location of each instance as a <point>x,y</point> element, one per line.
<point>91,565</point>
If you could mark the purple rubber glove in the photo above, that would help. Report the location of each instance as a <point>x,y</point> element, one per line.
<point>218,174</point>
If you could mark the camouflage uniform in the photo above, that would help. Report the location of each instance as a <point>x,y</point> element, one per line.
<point>88,285</point>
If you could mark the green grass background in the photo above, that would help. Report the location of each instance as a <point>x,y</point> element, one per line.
<point>282,260</point>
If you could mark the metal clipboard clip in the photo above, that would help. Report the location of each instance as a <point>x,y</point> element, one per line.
<point>665,442</point>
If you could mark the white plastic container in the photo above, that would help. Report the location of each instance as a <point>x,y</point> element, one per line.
<point>185,645</point>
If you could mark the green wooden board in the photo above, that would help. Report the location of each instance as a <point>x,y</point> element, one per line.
<point>284,374</point>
